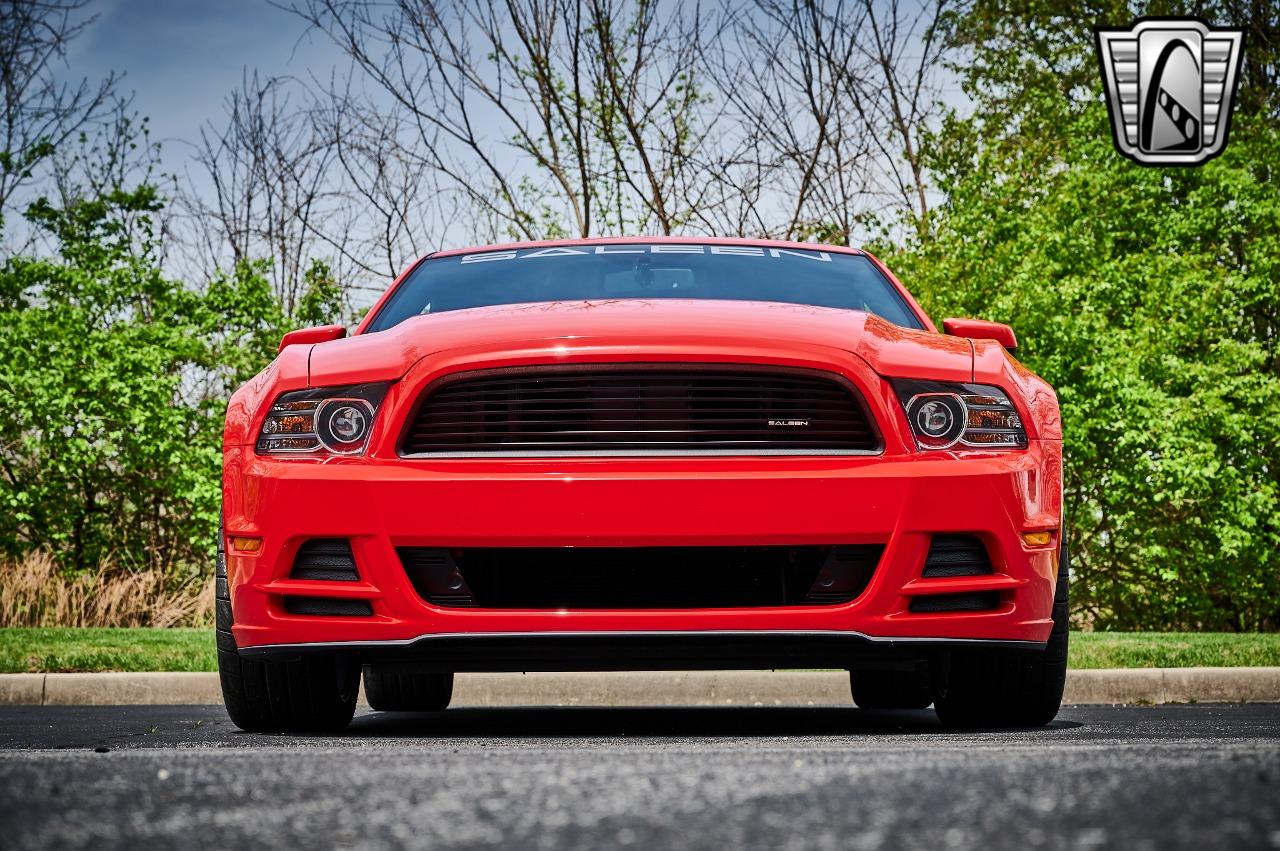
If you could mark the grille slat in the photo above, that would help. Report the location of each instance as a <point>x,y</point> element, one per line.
<point>655,408</point>
<point>643,431</point>
<point>638,444</point>
<point>438,418</point>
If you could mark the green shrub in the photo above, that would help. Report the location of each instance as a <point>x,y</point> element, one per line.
<point>113,385</point>
<point>1147,296</point>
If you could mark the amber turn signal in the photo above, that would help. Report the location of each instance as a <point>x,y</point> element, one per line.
<point>246,545</point>
<point>1036,539</point>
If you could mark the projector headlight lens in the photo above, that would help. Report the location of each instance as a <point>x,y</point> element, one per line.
<point>343,424</point>
<point>324,420</point>
<point>972,416</point>
<point>937,419</point>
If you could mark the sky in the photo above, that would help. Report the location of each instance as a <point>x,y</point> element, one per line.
<point>181,58</point>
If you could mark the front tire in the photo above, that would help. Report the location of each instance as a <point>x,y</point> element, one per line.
<point>1010,688</point>
<point>402,687</point>
<point>315,694</point>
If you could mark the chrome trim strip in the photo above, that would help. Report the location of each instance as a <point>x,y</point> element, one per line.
<point>644,453</point>
<point>660,633</point>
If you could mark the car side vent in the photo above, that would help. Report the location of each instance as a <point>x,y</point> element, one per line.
<point>977,601</point>
<point>327,606</point>
<point>327,559</point>
<point>957,555</point>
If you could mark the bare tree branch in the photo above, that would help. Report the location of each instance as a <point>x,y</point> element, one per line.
<point>38,113</point>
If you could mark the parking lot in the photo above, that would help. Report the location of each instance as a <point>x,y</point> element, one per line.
<point>1155,777</point>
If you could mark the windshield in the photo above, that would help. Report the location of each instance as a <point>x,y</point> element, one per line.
<point>660,270</point>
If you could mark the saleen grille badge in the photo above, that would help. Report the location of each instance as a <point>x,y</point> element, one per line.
<point>787,423</point>
<point>1170,84</point>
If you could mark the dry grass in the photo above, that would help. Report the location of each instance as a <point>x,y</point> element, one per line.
<point>35,592</point>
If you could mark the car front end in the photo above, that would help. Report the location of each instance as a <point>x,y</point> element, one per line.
<point>643,484</point>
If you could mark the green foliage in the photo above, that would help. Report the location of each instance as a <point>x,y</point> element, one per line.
<point>114,382</point>
<point>1147,297</point>
<point>321,302</point>
<point>95,342</point>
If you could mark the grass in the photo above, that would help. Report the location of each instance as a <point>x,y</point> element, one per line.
<point>1174,649</point>
<point>50,649</point>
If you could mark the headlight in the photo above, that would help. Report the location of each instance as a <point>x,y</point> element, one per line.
<point>969,415</point>
<point>334,420</point>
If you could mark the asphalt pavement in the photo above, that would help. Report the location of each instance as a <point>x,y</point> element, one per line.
<point>776,778</point>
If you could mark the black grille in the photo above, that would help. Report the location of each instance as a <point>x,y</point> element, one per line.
<point>977,601</point>
<point>640,577</point>
<point>645,409</point>
<point>327,606</point>
<point>325,558</point>
<point>435,576</point>
<point>957,555</point>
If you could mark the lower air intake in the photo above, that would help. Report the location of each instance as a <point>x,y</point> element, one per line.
<point>977,601</point>
<point>640,577</point>
<point>957,555</point>
<point>327,606</point>
<point>325,559</point>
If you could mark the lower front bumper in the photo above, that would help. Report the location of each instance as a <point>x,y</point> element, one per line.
<point>644,651</point>
<point>898,502</point>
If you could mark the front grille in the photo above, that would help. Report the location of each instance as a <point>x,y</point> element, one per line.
<point>640,409</point>
<point>957,555</point>
<point>640,577</point>
<point>325,559</point>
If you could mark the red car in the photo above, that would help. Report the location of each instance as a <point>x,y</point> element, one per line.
<point>657,453</point>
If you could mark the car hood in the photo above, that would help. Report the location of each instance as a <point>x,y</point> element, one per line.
<point>889,349</point>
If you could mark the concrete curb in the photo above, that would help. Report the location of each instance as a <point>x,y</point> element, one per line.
<point>1174,685</point>
<point>659,688</point>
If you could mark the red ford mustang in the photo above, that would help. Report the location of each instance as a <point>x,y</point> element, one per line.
<point>620,454</point>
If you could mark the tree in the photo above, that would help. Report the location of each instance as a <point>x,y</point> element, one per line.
<point>598,106</point>
<point>114,379</point>
<point>798,161</point>
<point>38,113</point>
<point>270,193</point>
<point>1146,296</point>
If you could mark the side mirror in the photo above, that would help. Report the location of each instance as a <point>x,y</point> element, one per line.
<point>980,329</point>
<point>322,334</point>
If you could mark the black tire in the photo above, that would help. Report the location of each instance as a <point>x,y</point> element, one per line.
<point>890,689</point>
<point>1008,688</point>
<point>315,694</point>
<point>403,687</point>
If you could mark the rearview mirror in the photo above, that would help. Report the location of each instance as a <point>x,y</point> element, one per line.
<point>322,334</point>
<point>980,329</point>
